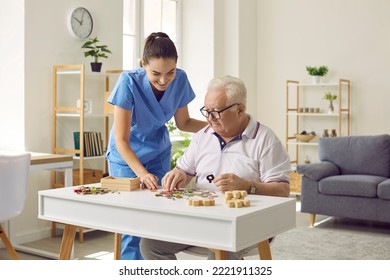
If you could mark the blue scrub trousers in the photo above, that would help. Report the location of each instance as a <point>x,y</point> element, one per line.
<point>130,244</point>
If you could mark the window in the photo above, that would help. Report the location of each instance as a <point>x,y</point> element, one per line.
<point>142,17</point>
<point>129,33</point>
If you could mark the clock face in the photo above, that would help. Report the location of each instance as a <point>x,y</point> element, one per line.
<point>81,23</point>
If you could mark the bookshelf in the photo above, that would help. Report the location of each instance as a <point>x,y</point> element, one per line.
<point>78,130</point>
<point>304,96</point>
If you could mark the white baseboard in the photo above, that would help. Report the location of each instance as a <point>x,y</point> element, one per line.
<point>32,236</point>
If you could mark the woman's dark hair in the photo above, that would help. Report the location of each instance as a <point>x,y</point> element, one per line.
<point>159,45</point>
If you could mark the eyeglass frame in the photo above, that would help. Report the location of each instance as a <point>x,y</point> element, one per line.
<point>203,111</point>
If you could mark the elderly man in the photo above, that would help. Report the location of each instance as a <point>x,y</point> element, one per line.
<point>234,152</point>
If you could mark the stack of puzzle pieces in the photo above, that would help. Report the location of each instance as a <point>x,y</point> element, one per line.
<point>236,199</point>
<point>201,201</point>
<point>233,199</point>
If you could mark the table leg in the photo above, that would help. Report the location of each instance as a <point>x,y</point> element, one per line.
<point>220,255</point>
<point>53,229</point>
<point>264,250</point>
<point>67,242</point>
<point>117,246</point>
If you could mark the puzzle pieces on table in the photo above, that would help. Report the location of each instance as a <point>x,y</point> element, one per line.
<point>236,199</point>
<point>91,190</point>
<point>233,199</point>
<point>185,193</point>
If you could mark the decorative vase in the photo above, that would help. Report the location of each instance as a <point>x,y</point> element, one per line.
<point>325,134</point>
<point>316,79</point>
<point>330,108</point>
<point>96,66</point>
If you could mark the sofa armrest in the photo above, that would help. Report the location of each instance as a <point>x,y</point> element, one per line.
<point>318,171</point>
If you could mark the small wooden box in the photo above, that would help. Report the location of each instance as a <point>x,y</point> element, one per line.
<point>120,184</point>
<point>90,176</point>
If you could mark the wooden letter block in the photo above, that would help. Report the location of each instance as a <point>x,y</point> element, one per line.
<point>201,202</point>
<point>238,203</point>
<point>228,195</point>
<point>196,202</point>
<point>206,202</point>
<point>230,203</point>
<point>237,195</point>
<point>236,199</point>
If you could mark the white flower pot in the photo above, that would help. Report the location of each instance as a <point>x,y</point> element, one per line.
<point>316,79</point>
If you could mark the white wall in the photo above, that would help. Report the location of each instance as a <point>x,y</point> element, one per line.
<point>284,36</point>
<point>350,37</point>
<point>12,105</point>
<point>198,48</point>
<point>47,42</point>
<point>219,38</point>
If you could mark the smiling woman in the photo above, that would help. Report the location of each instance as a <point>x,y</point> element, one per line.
<point>145,99</point>
<point>160,72</point>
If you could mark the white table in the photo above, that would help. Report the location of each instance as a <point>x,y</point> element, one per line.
<point>141,213</point>
<point>54,162</point>
<point>44,161</point>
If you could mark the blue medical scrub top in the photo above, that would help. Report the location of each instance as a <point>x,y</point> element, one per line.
<point>149,136</point>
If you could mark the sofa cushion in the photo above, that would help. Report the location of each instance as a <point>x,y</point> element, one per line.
<point>369,155</point>
<point>351,185</point>
<point>319,170</point>
<point>384,189</point>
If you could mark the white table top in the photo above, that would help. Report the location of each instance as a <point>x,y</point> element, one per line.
<point>38,158</point>
<point>143,214</point>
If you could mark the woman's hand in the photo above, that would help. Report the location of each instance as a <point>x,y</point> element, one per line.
<point>174,179</point>
<point>149,181</point>
<point>230,182</point>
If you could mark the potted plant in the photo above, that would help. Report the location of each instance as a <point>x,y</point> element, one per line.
<point>317,72</point>
<point>180,145</point>
<point>330,97</point>
<point>96,51</point>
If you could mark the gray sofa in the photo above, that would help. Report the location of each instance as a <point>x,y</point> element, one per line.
<point>352,179</point>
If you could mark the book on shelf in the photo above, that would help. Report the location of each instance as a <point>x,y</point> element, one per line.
<point>93,143</point>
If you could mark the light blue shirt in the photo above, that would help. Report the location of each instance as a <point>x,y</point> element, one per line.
<point>149,135</point>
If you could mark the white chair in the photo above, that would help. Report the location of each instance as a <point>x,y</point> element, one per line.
<point>14,172</point>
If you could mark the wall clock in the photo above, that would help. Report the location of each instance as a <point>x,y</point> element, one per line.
<point>81,23</point>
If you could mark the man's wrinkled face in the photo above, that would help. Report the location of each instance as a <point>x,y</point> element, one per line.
<point>216,101</point>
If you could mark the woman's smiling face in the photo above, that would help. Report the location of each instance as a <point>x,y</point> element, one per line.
<point>161,72</point>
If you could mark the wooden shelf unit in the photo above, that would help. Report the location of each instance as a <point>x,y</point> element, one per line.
<point>294,101</point>
<point>61,113</point>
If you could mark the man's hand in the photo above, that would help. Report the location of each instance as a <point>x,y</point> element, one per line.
<point>230,182</point>
<point>174,179</point>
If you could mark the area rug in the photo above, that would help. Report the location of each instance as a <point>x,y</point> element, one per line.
<point>323,243</point>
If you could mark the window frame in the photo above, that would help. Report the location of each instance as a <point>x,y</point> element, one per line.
<point>139,31</point>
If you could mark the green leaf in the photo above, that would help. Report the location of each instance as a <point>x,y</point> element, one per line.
<point>317,71</point>
<point>96,51</point>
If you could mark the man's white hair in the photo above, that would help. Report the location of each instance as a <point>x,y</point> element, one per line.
<point>234,87</point>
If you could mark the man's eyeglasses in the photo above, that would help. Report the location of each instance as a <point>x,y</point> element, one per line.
<point>213,113</point>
